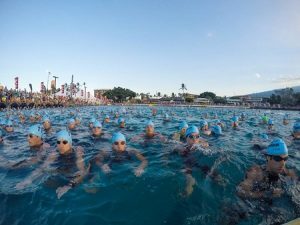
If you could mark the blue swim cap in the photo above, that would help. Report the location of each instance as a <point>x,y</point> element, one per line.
<point>107,117</point>
<point>64,135</point>
<point>277,147</point>
<point>97,124</point>
<point>8,123</point>
<point>118,137</point>
<point>150,123</point>
<point>203,123</point>
<point>121,120</point>
<point>296,127</point>
<point>218,121</point>
<point>190,130</point>
<point>235,119</point>
<point>217,130</point>
<point>46,118</point>
<point>270,122</point>
<point>183,124</point>
<point>93,120</point>
<point>36,130</point>
<point>71,121</point>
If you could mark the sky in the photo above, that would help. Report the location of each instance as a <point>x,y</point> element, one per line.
<point>228,47</point>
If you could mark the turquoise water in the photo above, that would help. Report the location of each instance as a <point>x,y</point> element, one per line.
<point>155,197</point>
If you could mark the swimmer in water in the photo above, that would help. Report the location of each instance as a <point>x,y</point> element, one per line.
<point>46,123</point>
<point>296,130</point>
<point>149,134</point>
<point>216,130</point>
<point>285,119</point>
<point>91,122</point>
<point>264,181</point>
<point>186,151</point>
<point>270,125</point>
<point>121,122</point>
<point>106,119</point>
<point>180,136</point>
<point>235,122</point>
<point>120,153</point>
<point>8,127</point>
<point>69,163</point>
<point>204,127</point>
<point>71,124</point>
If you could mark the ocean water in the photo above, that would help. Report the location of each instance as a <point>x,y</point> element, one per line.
<point>156,197</point>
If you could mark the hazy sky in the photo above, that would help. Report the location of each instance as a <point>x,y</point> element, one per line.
<point>228,47</point>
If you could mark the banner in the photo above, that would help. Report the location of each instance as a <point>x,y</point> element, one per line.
<point>16,83</point>
<point>42,87</point>
<point>53,86</point>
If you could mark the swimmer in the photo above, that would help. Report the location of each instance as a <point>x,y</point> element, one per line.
<point>106,119</point>
<point>216,130</point>
<point>235,122</point>
<point>91,122</point>
<point>9,126</point>
<point>120,153</point>
<point>149,134</point>
<point>264,181</point>
<point>121,122</point>
<point>46,123</point>
<point>71,124</point>
<point>180,136</point>
<point>270,125</point>
<point>69,162</point>
<point>204,127</point>
<point>296,130</point>
<point>285,119</point>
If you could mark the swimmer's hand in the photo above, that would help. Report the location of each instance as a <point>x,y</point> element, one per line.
<point>62,190</point>
<point>138,172</point>
<point>105,168</point>
<point>23,184</point>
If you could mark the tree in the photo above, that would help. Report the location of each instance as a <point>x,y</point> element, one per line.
<point>209,95</point>
<point>120,94</point>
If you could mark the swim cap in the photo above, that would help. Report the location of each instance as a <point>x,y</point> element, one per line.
<point>166,116</point>
<point>97,124</point>
<point>150,123</point>
<point>107,117</point>
<point>118,137</point>
<point>64,135</point>
<point>218,121</point>
<point>265,118</point>
<point>183,124</point>
<point>235,119</point>
<point>191,129</point>
<point>121,120</point>
<point>8,123</point>
<point>270,122</point>
<point>277,147</point>
<point>46,118</point>
<point>217,130</point>
<point>92,120</point>
<point>71,121</point>
<point>36,130</point>
<point>203,123</point>
<point>296,127</point>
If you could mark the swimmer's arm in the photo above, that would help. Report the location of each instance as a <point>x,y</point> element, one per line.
<point>144,161</point>
<point>244,190</point>
<point>38,172</point>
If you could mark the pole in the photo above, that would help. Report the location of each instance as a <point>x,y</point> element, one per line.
<point>48,81</point>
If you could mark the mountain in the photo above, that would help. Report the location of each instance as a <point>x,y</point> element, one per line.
<point>267,94</point>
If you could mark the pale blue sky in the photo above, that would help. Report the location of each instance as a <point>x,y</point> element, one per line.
<point>228,47</point>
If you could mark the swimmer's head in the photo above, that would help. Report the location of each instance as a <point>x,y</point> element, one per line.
<point>203,125</point>
<point>182,127</point>
<point>46,123</point>
<point>296,130</point>
<point>216,130</point>
<point>91,121</point>
<point>270,122</point>
<point>9,126</point>
<point>149,128</point>
<point>121,122</point>
<point>106,119</point>
<point>235,121</point>
<point>71,124</point>
<point>97,127</point>
<point>192,135</point>
<point>35,136</point>
<point>64,141</point>
<point>118,142</point>
<point>277,154</point>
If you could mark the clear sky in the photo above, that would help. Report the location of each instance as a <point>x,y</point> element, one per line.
<point>229,47</point>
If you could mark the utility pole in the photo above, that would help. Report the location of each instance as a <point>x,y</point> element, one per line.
<point>84,90</point>
<point>72,85</point>
<point>49,73</point>
<point>55,77</point>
